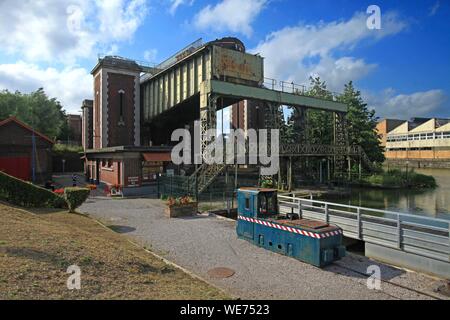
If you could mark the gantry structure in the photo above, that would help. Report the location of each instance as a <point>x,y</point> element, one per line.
<point>203,78</point>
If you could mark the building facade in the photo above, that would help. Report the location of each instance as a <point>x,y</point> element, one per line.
<point>74,124</point>
<point>113,154</point>
<point>19,157</point>
<point>425,142</point>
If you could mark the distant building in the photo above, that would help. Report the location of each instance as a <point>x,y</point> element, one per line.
<point>74,123</point>
<point>422,141</point>
<point>247,114</point>
<point>16,151</point>
<point>87,124</point>
<point>386,125</point>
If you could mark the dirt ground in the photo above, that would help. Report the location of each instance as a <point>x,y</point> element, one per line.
<point>36,250</point>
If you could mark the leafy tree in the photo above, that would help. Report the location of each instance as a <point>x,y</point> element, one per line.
<point>35,109</point>
<point>361,123</point>
<point>320,124</point>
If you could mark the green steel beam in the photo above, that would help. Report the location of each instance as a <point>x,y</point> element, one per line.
<point>283,98</point>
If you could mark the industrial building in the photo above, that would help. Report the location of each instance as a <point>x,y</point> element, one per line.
<point>421,142</point>
<point>74,124</point>
<point>24,152</point>
<point>127,127</point>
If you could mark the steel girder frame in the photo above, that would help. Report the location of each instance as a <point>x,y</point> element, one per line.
<point>271,122</point>
<point>211,90</point>
<point>340,140</point>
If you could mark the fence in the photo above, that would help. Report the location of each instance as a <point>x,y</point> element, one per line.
<point>424,236</point>
<point>221,194</point>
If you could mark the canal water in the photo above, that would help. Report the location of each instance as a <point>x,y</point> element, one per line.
<point>428,202</point>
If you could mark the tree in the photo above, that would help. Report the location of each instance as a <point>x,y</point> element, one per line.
<point>35,109</point>
<point>320,124</point>
<point>361,123</point>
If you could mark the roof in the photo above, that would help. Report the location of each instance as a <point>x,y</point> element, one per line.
<point>256,190</point>
<point>27,127</point>
<point>157,156</point>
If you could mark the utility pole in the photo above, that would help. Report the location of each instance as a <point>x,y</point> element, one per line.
<point>235,151</point>
<point>33,157</point>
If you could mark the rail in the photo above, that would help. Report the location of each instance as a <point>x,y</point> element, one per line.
<point>294,88</point>
<point>420,235</point>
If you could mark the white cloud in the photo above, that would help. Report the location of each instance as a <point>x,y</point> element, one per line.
<point>388,104</point>
<point>287,51</point>
<point>230,15</point>
<point>434,9</point>
<point>176,3</point>
<point>70,85</point>
<point>150,55</point>
<point>64,30</point>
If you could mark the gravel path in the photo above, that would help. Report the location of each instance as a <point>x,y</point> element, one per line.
<point>201,243</point>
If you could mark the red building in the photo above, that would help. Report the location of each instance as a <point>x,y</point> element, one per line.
<point>111,131</point>
<point>18,156</point>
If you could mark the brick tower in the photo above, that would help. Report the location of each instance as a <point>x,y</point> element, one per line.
<point>116,108</point>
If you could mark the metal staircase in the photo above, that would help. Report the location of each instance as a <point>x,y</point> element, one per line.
<point>204,176</point>
<point>365,159</point>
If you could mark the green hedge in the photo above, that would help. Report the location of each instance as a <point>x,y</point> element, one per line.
<point>75,197</point>
<point>26,194</point>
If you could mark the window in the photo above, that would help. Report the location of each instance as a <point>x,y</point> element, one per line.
<point>121,96</point>
<point>247,203</point>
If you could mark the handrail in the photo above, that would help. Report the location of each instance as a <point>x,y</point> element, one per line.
<point>367,209</point>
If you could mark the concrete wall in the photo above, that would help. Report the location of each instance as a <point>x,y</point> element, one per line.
<point>408,261</point>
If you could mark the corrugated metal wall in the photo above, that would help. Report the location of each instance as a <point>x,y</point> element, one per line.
<point>183,80</point>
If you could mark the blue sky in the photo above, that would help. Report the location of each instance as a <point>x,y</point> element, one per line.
<point>402,70</point>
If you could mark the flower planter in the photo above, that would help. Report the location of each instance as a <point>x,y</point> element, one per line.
<point>181,210</point>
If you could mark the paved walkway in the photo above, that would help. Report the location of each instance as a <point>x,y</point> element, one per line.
<point>201,243</point>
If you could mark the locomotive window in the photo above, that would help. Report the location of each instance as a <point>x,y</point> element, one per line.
<point>267,204</point>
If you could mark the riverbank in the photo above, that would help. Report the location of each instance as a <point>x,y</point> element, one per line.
<point>397,179</point>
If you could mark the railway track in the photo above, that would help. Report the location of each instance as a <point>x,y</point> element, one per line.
<point>428,294</point>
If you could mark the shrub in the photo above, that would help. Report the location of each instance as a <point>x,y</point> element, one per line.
<point>26,194</point>
<point>75,197</point>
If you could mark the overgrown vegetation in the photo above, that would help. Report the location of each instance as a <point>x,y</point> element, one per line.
<point>63,149</point>
<point>75,196</point>
<point>399,179</point>
<point>26,194</point>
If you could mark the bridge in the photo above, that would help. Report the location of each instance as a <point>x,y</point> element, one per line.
<point>416,242</point>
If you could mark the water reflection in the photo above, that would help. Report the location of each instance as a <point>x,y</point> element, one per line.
<point>433,203</point>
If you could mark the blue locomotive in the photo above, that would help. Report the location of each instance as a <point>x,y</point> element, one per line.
<point>260,222</point>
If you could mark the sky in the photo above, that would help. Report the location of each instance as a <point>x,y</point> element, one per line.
<point>402,68</point>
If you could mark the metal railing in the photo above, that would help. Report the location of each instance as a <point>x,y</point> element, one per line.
<point>421,235</point>
<point>293,88</point>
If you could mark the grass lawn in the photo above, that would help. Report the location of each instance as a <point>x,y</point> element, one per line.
<point>35,251</point>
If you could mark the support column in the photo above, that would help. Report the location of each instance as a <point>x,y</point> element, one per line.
<point>340,141</point>
<point>271,122</point>
<point>208,108</point>
<point>289,174</point>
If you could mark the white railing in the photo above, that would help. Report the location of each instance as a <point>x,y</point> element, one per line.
<point>425,236</point>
